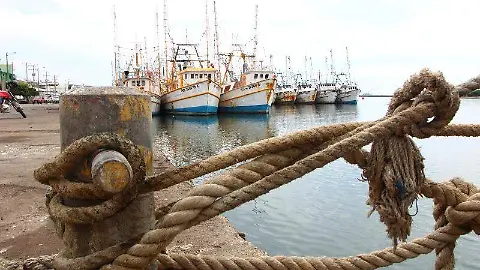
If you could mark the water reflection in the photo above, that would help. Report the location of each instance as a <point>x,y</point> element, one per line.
<point>324,212</point>
<point>244,129</point>
<point>180,137</point>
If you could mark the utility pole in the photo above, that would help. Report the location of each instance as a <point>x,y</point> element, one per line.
<point>26,71</point>
<point>55,84</point>
<point>6,78</point>
<point>38,76</point>
<point>46,80</point>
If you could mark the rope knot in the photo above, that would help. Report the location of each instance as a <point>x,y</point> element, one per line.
<point>466,213</point>
<point>434,99</point>
<point>57,172</point>
<point>426,104</point>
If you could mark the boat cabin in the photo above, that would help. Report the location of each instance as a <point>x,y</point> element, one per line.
<point>190,76</point>
<point>253,76</point>
<point>141,83</point>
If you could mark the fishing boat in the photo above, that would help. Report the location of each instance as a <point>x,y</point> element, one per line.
<point>138,76</point>
<point>191,88</point>
<point>286,91</point>
<point>306,92</point>
<point>285,94</point>
<point>347,89</point>
<point>326,93</point>
<point>348,93</point>
<point>253,93</point>
<point>147,85</point>
<point>250,89</point>
<point>136,73</point>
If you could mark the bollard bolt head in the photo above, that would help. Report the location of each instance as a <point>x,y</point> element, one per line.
<point>111,171</point>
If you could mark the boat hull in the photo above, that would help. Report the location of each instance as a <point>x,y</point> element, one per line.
<point>285,97</point>
<point>155,105</point>
<point>253,98</point>
<point>326,97</point>
<point>348,97</point>
<point>306,96</point>
<point>197,99</point>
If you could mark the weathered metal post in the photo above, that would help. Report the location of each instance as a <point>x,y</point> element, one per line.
<point>107,109</point>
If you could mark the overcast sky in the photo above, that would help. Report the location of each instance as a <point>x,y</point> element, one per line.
<point>387,40</point>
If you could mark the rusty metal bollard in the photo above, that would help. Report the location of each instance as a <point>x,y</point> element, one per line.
<point>107,109</point>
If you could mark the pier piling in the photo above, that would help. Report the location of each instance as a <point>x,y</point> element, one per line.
<point>88,111</point>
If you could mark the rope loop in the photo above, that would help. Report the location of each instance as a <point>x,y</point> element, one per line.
<point>431,90</point>
<point>58,172</point>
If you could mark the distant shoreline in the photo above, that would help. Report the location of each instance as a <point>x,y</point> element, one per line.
<point>392,96</point>
<point>375,95</point>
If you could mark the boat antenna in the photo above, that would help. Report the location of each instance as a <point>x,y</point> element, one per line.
<point>115,48</point>
<point>306,72</point>
<point>326,66</point>
<point>255,37</point>
<point>158,47</point>
<point>165,32</point>
<point>145,56</point>
<point>271,61</point>
<point>207,29</point>
<point>348,65</point>
<point>311,68</point>
<point>332,70</point>
<point>216,39</point>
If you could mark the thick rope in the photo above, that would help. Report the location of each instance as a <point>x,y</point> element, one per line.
<point>374,260</point>
<point>278,161</point>
<point>188,209</point>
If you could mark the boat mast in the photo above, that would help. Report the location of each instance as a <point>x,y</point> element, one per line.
<point>216,39</point>
<point>326,66</point>
<point>207,29</point>
<point>311,68</point>
<point>255,37</point>
<point>348,66</point>
<point>165,38</point>
<point>136,60</point>
<point>115,49</point>
<point>306,71</point>
<point>144,59</point>
<point>332,70</point>
<point>158,49</point>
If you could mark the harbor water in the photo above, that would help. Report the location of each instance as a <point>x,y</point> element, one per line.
<point>323,213</point>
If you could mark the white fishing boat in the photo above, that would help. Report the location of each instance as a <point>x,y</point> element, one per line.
<point>137,74</point>
<point>252,89</point>
<point>286,90</point>
<point>306,94</point>
<point>326,93</point>
<point>347,89</point>
<point>148,86</point>
<point>348,94</point>
<point>190,88</point>
<point>285,94</point>
<point>253,93</point>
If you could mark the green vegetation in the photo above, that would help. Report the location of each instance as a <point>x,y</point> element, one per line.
<point>474,93</point>
<point>24,89</point>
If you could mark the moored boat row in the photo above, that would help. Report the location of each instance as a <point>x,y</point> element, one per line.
<point>189,83</point>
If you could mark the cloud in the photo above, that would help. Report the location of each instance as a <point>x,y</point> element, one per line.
<point>387,40</point>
